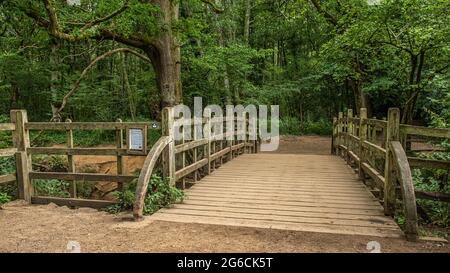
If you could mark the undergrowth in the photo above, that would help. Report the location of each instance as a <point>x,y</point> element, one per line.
<point>293,126</point>
<point>160,194</point>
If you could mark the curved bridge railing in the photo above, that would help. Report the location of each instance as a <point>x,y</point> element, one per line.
<point>202,145</point>
<point>383,152</point>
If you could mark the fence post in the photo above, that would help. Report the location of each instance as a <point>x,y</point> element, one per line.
<point>208,136</point>
<point>195,136</point>
<point>339,133</point>
<point>333,136</point>
<point>362,138</point>
<point>71,163</point>
<point>230,138</point>
<point>392,134</point>
<point>167,127</point>
<point>349,131</point>
<point>21,140</point>
<point>119,157</point>
<point>183,154</point>
<point>244,131</point>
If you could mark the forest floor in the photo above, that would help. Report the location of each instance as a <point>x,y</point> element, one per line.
<point>49,228</point>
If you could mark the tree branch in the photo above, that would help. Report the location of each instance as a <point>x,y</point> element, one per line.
<point>106,18</point>
<point>213,5</point>
<point>56,115</point>
<point>132,40</point>
<point>330,18</point>
<point>397,46</point>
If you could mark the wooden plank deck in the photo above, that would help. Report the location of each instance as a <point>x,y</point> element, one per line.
<point>317,193</point>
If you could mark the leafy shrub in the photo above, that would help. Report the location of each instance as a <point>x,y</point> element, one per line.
<point>290,126</point>
<point>293,126</point>
<point>52,187</point>
<point>160,194</point>
<point>7,165</point>
<point>7,191</point>
<point>434,180</point>
<point>4,198</point>
<point>321,127</point>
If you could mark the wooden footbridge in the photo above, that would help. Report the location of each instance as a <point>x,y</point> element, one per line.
<point>228,181</point>
<point>284,191</point>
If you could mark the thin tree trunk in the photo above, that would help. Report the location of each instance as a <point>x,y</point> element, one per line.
<point>131,101</point>
<point>248,5</point>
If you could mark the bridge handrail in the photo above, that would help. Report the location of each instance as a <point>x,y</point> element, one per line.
<point>403,170</point>
<point>377,147</point>
<point>146,173</point>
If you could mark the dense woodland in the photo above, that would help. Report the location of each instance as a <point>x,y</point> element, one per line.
<point>100,60</point>
<point>313,58</point>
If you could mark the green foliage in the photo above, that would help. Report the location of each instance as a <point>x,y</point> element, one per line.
<point>321,127</point>
<point>160,194</point>
<point>293,126</point>
<point>290,126</point>
<point>425,180</point>
<point>7,165</point>
<point>5,137</point>
<point>4,198</point>
<point>7,191</point>
<point>52,187</point>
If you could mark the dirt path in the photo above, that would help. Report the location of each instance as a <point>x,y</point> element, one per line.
<point>49,228</point>
<point>316,145</point>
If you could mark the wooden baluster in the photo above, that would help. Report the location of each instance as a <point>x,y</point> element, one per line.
<point>183,154</point>
<point>230,137</point>
<point>196,132</point>
<point>392,134</point>
<point>349,131</point>
<point>221,141</point>
<point>208,136</point>
<point>340,132</point>
<point>362,138</point>
<point>167,127</point>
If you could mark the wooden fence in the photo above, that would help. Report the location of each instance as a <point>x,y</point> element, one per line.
<point>380,151</point>
<point>183,161</point>
<point>184,158</point>
<point>8,152</point>
<point>23,152</point>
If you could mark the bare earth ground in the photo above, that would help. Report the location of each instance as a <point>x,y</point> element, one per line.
<point>49,228</point>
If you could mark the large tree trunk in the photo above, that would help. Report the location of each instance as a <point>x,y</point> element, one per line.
<point>166,57</point>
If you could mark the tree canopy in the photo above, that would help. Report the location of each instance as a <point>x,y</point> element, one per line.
<point>128,58</point>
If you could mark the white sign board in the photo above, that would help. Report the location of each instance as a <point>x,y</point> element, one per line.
<point>136,139</point>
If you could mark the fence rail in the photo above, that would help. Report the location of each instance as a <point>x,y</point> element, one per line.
<point>378,149</point>
<point>207,148</point>
<point>8,152</point>
<point>183,161</point>
<point>23,152</point>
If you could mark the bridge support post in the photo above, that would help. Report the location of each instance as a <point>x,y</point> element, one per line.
<point>339,133</point>
<point>21,141</point>
<point>334,136</point>
<point>362,138</point>
<point>208,136</point>
<point>167,126</point>
<point>392,134</point>
<point>347,135</point>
